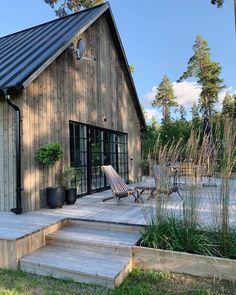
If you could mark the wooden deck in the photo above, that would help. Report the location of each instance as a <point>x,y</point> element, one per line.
<point>91,207</point>
<point>91,228</point>
<point>13,227</point>
<point>23,234</point>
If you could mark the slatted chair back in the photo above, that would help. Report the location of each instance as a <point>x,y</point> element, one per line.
<point>163,181</point>
<point>161,177</point>
<point>117,184</point>
<point>119,188</point>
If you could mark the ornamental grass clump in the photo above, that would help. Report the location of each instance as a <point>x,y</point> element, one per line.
<point>223,197</point>
<point>204,222</point>
<point>173,233</point>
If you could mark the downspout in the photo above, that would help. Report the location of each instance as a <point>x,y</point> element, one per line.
<point>18,209</point>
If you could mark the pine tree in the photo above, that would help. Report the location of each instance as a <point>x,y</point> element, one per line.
<point>64,7</point>
<point>182,112</point>
<point>165,98</point>
<point>196,119</point>
<point>195,112</point>
<point>207,73</point>
<point>229,105</point>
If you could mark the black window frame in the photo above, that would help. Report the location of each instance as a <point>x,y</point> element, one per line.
<point>119,151</point>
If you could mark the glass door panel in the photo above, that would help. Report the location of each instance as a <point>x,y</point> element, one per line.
<point>90,148</point>
<point>78,155</point>
<point>96,150</point>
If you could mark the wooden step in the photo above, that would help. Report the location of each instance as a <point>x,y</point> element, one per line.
<point>81,266</point>
<point>106,225</point>
<point>94,239</point>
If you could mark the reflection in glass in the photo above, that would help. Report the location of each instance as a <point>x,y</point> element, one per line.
<point>89,153</point>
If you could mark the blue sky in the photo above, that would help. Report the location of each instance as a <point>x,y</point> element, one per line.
<point>157,35</point>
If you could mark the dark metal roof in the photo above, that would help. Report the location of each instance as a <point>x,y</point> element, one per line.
<point>25,52</point>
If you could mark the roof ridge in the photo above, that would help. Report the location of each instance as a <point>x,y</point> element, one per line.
<point>55,20</point>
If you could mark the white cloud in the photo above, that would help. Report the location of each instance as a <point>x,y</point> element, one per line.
<point>149,97</point>
<point>187,93</point>
<point>152,113</point>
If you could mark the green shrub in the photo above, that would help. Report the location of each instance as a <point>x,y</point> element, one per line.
<point>67,176</point>
<point>171,233</point>
<point>49,154</point>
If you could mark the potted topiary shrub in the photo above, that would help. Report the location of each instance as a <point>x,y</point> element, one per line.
<point>47,156</point>
<point>69,176</point>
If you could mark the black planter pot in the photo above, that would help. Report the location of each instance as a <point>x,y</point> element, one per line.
<point>56,196</point>
<point>71,196</point>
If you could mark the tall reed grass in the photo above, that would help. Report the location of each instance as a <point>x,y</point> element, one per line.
<point>204,223</point>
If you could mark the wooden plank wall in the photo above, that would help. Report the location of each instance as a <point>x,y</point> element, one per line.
<point>82,91</point>
<point>7,157</point>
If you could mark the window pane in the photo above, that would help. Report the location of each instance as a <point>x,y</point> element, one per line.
<point>77,127</point>
<point>71,129</point>
<point>78,155</point>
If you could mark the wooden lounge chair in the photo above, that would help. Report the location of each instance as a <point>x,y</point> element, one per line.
<point>119,188</point>
<point>149,186</point>
<point>163,181</point>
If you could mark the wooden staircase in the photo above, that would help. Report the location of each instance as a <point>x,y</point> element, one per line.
<point>87,252</point>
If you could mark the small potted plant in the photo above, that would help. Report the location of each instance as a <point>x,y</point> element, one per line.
<point>69,176</point>
<point>47,156</point>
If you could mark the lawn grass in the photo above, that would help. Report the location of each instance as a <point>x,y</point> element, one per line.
<point>138,283</point>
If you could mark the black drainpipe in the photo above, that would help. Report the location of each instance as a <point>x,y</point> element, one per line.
<point>18,209</point>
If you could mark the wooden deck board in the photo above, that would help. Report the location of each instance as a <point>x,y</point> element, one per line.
<point>13,227</point>
<point>96,235</point>
<point>77,260</point>
<point>79,265</point>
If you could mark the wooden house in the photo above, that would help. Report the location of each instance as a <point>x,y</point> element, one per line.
<point>47,94</point>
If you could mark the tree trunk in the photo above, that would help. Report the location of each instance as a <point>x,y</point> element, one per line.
<point>166,114</point>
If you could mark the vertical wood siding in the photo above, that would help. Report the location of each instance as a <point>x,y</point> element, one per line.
<point>82,91</point>
<point>7,157</point>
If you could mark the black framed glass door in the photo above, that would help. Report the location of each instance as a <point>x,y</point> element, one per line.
<point>79,155</point>
<point>90,148</point>
<point>96,159</point>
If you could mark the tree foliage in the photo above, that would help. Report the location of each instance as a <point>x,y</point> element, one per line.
<point>229,105</point>
<point>207,73</point>
<point>132,68</point>
<point>170,132</point>
<point>64,7</point>
<point>218,3</point>
<point>182,112</point>
<point>174,131</point>
<point>149,138</point>
<point>197,121</point>
<point>165,98</point>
